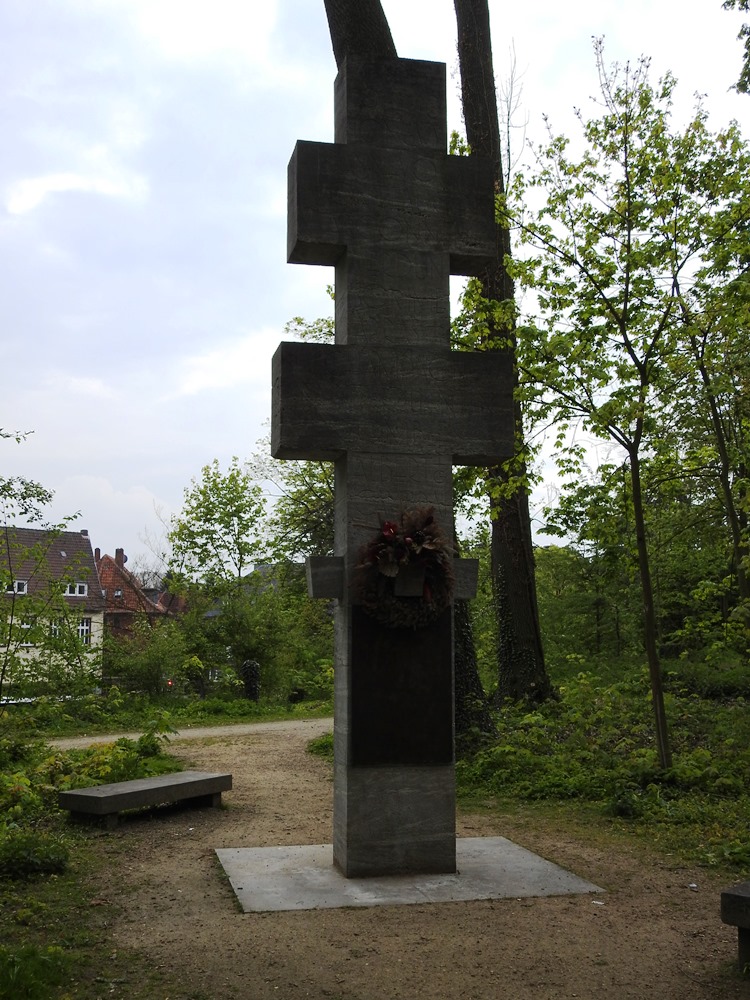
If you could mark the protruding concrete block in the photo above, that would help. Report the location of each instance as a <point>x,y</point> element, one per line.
<point>325,576</point>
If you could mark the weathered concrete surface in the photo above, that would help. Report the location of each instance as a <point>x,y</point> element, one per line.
<point>394,408</point>
<point>200,787</point>
<point>304,878</point>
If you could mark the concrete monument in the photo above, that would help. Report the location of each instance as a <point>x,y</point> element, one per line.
<point>394,407</point>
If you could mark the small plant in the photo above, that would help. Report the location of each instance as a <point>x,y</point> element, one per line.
<point>322,746</point>
<point>32,972</point>
<point>26,853</point>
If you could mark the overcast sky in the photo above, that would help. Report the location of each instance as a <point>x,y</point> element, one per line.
<point>143,153</point>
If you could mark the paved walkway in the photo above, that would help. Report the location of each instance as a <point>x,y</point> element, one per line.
<point>307,727</point>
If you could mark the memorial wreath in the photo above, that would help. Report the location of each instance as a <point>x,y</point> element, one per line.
<point>404,575</point>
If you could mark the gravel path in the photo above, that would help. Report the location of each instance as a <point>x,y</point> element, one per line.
<point>307,728</point>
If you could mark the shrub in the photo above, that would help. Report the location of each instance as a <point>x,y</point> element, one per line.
<point>25,853</point>
<point>18,798</point>
<point>596,745</point>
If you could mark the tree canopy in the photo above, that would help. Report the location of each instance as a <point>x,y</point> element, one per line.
<point>218,535</point>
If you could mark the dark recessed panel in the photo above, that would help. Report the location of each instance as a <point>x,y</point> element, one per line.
<point>401,694</point>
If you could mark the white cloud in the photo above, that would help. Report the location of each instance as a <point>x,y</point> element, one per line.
<point>27,194</point>
<point>113,517</point>
<point>233,364</point>
<point>190,29</point>
<point>77,385</point>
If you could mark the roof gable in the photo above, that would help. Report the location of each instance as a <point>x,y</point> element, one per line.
<point>122,591</point>
<point>41,557</point>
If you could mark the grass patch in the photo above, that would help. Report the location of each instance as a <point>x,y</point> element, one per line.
<point>322,746</point>
<point>32,972</point>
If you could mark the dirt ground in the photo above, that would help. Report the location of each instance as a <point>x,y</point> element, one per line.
<point>657,934</point>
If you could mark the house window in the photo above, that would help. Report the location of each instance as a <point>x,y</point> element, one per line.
<point>84,631</point>
<point>118,593</point>
<point>27,624</point>
<point>18,587</point>
<point>55,629</point>
<point>75,589</point>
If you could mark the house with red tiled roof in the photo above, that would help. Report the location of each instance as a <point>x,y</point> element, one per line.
<point>125,598</point>
<point>51,598</point>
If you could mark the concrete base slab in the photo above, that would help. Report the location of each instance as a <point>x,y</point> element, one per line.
<point>303,878</point>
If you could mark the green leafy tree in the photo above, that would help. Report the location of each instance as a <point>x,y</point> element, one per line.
<point>241,608</point>
<point>621,227</point>
<point>714,352</point>
<point>218,535</point>
<point>302,520</point>
<point>146,659</point>
<point>743,84</point>
<point>217,539</point>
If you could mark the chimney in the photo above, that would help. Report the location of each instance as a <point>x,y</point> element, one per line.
<point>120,557</point>
<point>85,532</point>
<point>97,555</point>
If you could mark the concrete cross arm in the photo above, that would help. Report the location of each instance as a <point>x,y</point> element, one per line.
<point>343,196</point>
<point>331,400</point>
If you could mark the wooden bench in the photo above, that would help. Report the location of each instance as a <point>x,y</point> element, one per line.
<point>201,788</point>
<point>735,910</point>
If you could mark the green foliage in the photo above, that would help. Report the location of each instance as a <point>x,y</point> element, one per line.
<point>211,710</point>
<point>216,536</point>
<point>322,746</point>
<point>319,331</point>
<point>19,798</point>
<point>32,972</point>
<point>91,713</point>
<point>302,521</point>
<point>27,853</point>
<point>586,605</point>
<point>33,841</point>
<point>595,745</point>
<point>122,760</point>
<point>637,260</point>
<point>743,83</point>
<point>147,657</point>
<point>711,681</point>
<point>482,607</point>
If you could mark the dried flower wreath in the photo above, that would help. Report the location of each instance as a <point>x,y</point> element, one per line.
<point>404,576</point>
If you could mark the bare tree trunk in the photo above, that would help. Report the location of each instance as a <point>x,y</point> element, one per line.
<point>649,616</point>
<point>473,718</point>
<point>522,672</point>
